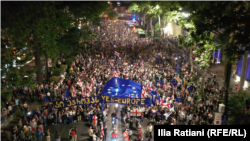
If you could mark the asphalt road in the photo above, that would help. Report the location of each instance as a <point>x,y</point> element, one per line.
<point>83,127</point>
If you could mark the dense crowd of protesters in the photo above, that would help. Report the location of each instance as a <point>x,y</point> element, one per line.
<point>143,61</point>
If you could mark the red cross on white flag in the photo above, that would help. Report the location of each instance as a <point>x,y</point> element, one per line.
<point>88,93</point>
<point>116,53</point>
<point>73,92</point>
<point>102,130</point>
<point>79,82</point>
<point>161,101</point>
<point>83,93</point>
<point>164,86</point>
<point>236,87</point>
<point>112,63</point>
<point>166,104</point>
<point>115,74</point>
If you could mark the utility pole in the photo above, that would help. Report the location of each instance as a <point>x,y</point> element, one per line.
<point>227,83</point>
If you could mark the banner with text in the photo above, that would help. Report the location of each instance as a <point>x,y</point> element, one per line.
<point>99,99</point>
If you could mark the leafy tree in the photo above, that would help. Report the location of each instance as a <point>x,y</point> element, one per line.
<point>238,115</point>
<point>38,29</point>
<point>112,15</point>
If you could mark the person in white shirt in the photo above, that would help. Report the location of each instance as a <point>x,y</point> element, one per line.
<point>150,129</point>
<point>94,137</point>
<point>10,109</point>
<point>25,105</point>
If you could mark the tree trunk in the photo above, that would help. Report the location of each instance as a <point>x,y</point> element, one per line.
<point>47,68</point>
<point>202,84</point>
<point>191,59</point>
<point>151,27</point>
<point>37,55</point>
<point>243,72</point>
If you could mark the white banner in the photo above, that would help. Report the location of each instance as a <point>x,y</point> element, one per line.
<point>217,118</point>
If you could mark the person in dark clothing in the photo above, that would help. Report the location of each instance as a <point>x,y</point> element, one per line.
<point>131,124</point>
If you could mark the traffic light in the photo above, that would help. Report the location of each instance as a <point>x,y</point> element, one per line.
<point>122,15</point>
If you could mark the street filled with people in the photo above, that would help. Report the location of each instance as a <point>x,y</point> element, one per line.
<point>161,66</point>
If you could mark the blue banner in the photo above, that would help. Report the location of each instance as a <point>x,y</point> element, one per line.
<point>178,67</point>
<point>179,99</point>
<point>174,82</point>
<point>100,99</point>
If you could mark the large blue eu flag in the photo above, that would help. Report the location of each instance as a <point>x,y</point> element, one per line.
<point>122,88</point>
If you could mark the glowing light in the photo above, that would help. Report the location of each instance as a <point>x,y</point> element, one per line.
<point>185,14</point>
<point>157,7</point>
<point>237,79</point>
<point>168,29</point>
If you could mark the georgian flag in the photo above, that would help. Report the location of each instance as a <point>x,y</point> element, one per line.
<point>165,105</point>
<point>111,62</point>
<point>115,74</point>
<point>102,130</point>
<point>116,53</point>
<point>143,91</point>
<point>79,82</point>
<point>73,92</point>
<point>161,101</point>
<point>89,87</point>
<point>164,86</point>
<point>88,93</point>
<point>83,93</point>
<point>148,87</point>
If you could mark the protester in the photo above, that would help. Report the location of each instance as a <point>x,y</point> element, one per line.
<point>157,65</point>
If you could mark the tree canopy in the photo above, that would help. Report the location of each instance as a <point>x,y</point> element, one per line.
<point>33,29</point>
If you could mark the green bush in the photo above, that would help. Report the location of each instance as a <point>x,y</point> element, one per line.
<point>75,53</point>
<point>54,78</point>
<point>69,61</point>
<point>58,71</point>
<point>2,105</point>
<point>64,66</point>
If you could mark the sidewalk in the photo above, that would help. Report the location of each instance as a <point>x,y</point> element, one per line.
<point>219,70</point>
